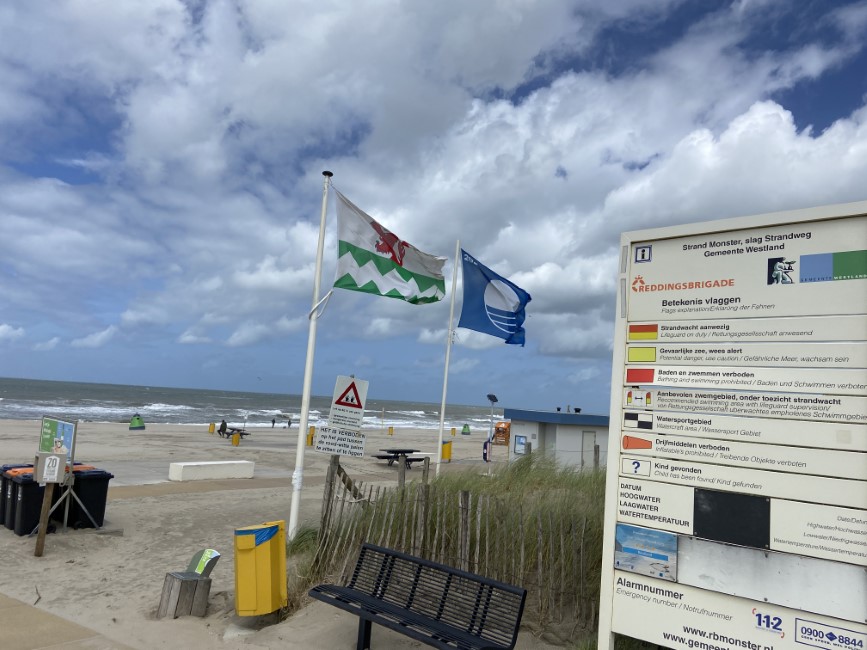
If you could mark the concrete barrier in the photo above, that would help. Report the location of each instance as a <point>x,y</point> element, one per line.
<point>211,469</point>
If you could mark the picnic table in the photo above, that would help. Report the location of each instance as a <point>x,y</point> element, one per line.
<point>393,454</point>
<point>230,431</point>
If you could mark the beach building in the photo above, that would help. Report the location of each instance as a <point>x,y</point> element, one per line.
<point>572,438</point>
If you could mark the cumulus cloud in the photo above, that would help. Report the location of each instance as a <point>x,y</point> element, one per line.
<point>48,345</point>
<point>10,333</point>
<point>160,163</point>
<point>95,340</point>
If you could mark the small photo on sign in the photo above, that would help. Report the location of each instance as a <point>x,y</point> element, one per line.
<point>646,551</point>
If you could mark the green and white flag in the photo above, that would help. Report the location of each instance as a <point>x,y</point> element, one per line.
<point>374,260</point>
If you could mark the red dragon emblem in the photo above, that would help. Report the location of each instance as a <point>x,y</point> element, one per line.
<point>390,244</point>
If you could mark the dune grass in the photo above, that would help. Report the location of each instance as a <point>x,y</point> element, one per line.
<point>532,522</point>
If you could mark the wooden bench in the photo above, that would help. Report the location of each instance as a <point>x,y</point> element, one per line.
<point>430,602</point>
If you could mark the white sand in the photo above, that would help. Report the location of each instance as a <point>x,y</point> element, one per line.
<point>110,580</point>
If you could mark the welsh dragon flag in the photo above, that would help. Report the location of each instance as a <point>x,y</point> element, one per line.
<point>373,260</point>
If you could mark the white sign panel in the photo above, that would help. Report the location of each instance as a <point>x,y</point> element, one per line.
<point>807,328</point>
<point>776,355</point>
<point>812,268</point>
<point>684,618</point>
<point>801,433</point>
<point>804,406</point>
<point>823,462</point>
<point>799,380</point>
<point>658,505</point>
<point>819,531</point>
<point>339,441</point>
<point>347,405</point>
<point>739,382</point>
<point>833,491</point>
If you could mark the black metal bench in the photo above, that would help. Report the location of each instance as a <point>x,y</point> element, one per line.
<point>433,603</point>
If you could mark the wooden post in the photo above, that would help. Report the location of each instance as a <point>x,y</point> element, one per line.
<point>463,536</point>
<point>43,519</point>
<point>595,456</point>
<point>328,495</point>
<point>401,470</point>
<point>425,470</point>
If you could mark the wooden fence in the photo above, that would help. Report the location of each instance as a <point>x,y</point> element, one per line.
<point>547,541</point>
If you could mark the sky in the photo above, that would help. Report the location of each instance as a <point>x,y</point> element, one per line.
<point>161,174</point>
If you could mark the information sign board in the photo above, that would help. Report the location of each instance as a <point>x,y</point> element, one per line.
<point>823,462</point>
<point>805,406</point>
<point>339,441</point>
<point>347,405</point>
<point>739,383</point>
<point>800,433</point>
<point>57,437</point>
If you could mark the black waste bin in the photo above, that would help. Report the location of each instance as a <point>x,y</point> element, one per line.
<point>91,486</point>
<point>6,494</point>
<point>28,503</point>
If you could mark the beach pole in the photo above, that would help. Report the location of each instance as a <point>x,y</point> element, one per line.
<point>449,334</point>
<point>298,474</point>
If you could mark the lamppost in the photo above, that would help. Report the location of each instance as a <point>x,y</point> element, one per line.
<point>493,400</point>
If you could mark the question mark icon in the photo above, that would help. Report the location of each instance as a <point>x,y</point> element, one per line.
<point>635,466</point>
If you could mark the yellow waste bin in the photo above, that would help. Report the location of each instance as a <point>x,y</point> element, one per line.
<point>211,427</point>
<point>447,451</point>
<point>260,568</point>
<point>310,434</point>
<point>236,439</point>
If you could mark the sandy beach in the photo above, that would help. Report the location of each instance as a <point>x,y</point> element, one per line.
<point>110,580</point>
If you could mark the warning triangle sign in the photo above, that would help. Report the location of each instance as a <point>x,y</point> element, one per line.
<point>349,397</point>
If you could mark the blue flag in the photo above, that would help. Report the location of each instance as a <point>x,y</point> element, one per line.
<point>492,304</point>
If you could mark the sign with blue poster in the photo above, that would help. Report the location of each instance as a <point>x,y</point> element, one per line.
<point>646,551</point>
<point>57,437</point>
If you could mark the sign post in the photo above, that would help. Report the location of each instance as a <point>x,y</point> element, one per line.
<point>343,434</point>
<point>738,475</point>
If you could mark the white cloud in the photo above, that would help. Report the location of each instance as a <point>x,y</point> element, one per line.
<point>10,333</point>
<point>95,340</point>
<point>191,140</point>
<point>48,345</point>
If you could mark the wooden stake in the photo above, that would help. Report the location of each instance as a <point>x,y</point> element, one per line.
<point>43,519</point>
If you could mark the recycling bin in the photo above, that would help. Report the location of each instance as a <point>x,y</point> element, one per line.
<point>260,568</point>
<point>447,451</point>
<point>91,487</point>
<point>6,493</point>
<point>28,495</point>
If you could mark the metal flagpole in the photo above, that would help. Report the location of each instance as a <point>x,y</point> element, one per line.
<point>297,475</point>
<point>448,354</point>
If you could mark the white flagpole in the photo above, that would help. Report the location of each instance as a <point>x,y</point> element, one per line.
<point>297,475</point>
<point>448,353</point>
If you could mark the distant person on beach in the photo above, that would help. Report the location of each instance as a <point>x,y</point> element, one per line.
<point>222,428</point>
<point>273,422</point>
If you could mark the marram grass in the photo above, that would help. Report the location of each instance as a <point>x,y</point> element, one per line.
<point>532,523</point>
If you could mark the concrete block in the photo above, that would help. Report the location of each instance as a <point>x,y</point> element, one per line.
<point>203,470</point>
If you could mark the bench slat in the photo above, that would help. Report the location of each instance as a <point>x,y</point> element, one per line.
<point>443,605</point>
<point>396,618</point>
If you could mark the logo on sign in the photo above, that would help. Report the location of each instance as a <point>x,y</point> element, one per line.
<point>349,397</point>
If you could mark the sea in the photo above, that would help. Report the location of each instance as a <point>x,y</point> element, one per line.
<point>30,399</point>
